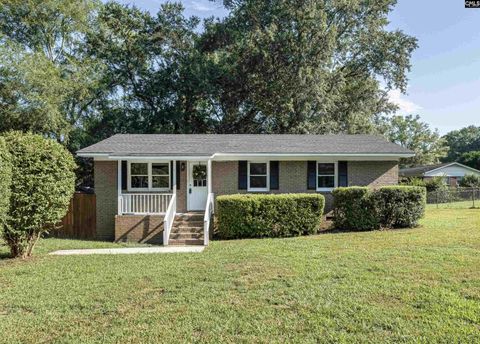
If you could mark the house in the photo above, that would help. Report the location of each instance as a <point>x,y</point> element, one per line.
<point>452,172</point>
<point>161,188</point>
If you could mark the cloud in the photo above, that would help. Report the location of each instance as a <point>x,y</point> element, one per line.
<point>202,6</point>
<point>404,105</point>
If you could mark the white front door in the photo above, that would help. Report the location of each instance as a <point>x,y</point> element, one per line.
<point>197,186</point>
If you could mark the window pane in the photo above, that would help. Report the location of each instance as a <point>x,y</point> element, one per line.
<point>326,168</point>
<point>160,181</point>
<point>326,181</point>
<point>160,169</point>
<point>139,168</point>
<point>258,182</point>
<point>139,182</point>
<point>258,168</point>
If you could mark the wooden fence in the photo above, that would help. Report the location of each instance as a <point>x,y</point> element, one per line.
<point>80,221</point>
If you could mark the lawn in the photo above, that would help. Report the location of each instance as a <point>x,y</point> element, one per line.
<point>417,285</point>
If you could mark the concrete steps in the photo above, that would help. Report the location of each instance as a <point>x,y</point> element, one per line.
<point>187,229</point>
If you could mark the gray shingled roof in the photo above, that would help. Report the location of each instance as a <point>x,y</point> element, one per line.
<point>419,170</point>
<point>208,144</point>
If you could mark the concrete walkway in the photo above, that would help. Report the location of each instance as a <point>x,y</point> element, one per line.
<point>131,250</point>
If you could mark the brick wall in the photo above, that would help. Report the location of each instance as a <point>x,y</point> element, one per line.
<point>139,228</point>
<point>293,177</point>
<point>182,192</point>
<point>105,179</point>
<point>372,173</point>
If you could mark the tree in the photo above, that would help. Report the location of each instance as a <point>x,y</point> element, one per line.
<point>303,66</point>
<point>471,159</point>
<point>410,132</point>
<point>462,141</point>
<point>43,182</point>
<point>470,181</point>
<point>5,182</point>
<point>46,83</point>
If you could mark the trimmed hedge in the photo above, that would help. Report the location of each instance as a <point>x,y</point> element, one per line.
<point>5,182</point>
<point>352,207</point>
<point>360,208</point>
<point>400,206</point>
<point>257,216</point>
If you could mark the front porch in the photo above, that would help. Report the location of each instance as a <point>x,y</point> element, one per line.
<point>155,197</point>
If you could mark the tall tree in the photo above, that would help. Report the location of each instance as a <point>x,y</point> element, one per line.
<point>304,66</point>
<point>46,83</point>
<point>462,141</point>
<point>410,132</point>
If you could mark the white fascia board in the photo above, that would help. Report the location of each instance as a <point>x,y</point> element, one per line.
<point>293,156</point>
<point>161,158</point>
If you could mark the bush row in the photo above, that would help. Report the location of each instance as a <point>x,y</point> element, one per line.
<point>361,208</point>
<point>255,216</point>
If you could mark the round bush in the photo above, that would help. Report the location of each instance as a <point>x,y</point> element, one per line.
<point>43,182</point>
<point>5,182</point>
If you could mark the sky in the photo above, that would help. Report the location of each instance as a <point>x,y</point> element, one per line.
<point>444,82</point>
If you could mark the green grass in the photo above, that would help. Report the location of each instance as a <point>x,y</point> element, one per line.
<point>417,285</point>
<point>454,205</point>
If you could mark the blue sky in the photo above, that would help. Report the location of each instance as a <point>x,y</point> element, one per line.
<point>444,86</point>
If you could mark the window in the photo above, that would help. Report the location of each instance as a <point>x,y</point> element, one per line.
<point>326,176</point>
<point>149,176</point>
<point>258,176</point>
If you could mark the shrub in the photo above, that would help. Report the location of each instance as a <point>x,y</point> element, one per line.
<point>400,206</point>
<point>5,182</point>
<point>470,181</point>
<point>256,216</point>
<point>353,208</point>
<point>43,181</point>
<point>413,181</point>
<point>361,208</point>
<point>435,184</point>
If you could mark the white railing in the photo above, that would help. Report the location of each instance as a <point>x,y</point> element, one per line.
<point>209,211</point>
<point>168,220</point>
<point>144,203</point>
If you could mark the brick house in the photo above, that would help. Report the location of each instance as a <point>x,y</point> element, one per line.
<point>162,188</point>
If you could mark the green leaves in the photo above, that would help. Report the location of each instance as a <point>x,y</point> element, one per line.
<point>42,185</point>
<point>410,132</point>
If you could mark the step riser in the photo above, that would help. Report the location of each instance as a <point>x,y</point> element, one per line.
<point>182,236</point>
<point>188,223</point>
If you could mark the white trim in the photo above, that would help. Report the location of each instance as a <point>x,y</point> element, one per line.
<point>247,156</point>
<point>250,189</point>
<point>335,176</point>
<point>453,163</point>
<point>149,176</point>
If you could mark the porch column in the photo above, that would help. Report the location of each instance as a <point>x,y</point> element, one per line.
<point>174,171</point>
<point>119,187</point>
<point>209,176</point>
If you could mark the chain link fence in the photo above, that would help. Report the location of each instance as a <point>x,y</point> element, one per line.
<point>454,198</point>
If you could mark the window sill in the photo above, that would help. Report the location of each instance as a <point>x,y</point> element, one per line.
<point>325,189</point>
<point>258,190</point>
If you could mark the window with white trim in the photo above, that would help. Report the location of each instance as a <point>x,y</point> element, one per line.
<point>326,176</point>
<point>258,176</point>
<point>148,176</point>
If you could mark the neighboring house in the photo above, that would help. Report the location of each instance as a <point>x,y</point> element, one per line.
<point>452,172</point>
<point>161,188</point>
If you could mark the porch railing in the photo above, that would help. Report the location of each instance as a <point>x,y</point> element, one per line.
<point>168,220</point>
<point>208,218</point>
<point>144,203</point>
